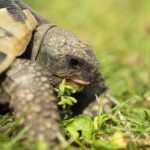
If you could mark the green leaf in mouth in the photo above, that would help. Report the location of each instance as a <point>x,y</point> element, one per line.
<point>64,92</point>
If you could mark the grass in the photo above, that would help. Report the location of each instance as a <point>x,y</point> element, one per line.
<point>119,32</point>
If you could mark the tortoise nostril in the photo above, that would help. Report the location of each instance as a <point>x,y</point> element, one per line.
<point>74,63</point>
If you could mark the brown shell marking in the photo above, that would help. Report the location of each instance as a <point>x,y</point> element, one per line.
<point>14,35</point>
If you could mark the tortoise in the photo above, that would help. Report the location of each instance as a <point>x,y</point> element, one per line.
<point>35,56</point>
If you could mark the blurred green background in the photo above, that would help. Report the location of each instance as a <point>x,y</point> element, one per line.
<point>119,32</point>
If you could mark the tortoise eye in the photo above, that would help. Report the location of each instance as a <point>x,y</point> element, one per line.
<point>74,63</point>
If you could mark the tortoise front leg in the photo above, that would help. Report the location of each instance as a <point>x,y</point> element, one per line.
<point>33,100</point>
<point>87,98</point>
<point>107,101</point>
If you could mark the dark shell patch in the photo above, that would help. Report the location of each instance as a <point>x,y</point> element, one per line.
<point>6,33</point>
<point>2,56</point>
<point>13,10</point>
<point>16,13</point>
<point>5,3</point>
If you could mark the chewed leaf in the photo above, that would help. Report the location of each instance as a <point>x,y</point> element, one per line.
<point>64,94</point>
<point>62,86</point>
<point>66,101</point>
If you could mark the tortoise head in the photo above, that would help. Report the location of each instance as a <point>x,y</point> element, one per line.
<point>66,57</point>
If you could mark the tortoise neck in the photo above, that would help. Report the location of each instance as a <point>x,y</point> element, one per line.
<point>37,39</point>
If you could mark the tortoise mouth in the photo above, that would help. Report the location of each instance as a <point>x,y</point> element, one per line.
<point>78,84</point>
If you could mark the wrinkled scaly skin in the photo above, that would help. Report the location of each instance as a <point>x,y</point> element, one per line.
<point>28,84</point>
<point>29,91</point>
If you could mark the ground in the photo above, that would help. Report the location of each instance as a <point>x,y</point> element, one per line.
<point>119,32</point>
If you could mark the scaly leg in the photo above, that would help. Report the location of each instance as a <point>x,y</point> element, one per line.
<point>32,100</point>
<point>87,98</point>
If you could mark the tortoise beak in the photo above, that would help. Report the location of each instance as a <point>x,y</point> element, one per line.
<point>81,82</point>
<point>78,84</point>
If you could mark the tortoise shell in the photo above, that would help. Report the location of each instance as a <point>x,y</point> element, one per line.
<point>16,27</point>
